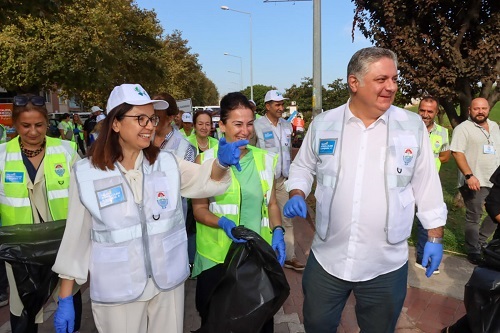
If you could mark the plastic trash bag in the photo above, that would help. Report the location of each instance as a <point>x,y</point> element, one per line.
<point>252,290</point>
<point>491,254</point>
<point>482,300</point>
<point>31,250</point>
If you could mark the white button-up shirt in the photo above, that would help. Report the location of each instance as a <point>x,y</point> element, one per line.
<point>356,248</point>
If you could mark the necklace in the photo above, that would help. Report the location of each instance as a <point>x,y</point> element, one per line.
<point>31,153</point>
<point>200,146</point>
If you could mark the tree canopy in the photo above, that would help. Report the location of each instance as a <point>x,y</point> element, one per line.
<point>447,48</point>
<point>85,47</point>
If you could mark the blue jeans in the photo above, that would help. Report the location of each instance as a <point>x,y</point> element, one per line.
<point>378,301</point>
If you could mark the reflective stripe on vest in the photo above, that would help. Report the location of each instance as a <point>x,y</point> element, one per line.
<point>213,243</point>
<point>15,204</point>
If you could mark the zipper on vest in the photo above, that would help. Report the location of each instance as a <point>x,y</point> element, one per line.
<point>145,242</point>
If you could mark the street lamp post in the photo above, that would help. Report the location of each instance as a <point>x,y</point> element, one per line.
<point>251,64</point>
<point>241,67</point>
<point>241,82</point>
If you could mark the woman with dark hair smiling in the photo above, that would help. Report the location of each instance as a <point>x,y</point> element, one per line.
<point>127,228</point>
<point>201,138</point>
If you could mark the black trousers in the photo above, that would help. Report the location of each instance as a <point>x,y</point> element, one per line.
<point>4,283</point>
<point>205,284</point>
<point>33,328</point>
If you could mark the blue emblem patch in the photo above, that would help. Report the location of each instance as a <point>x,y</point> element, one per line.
<point>59,169</point>
<point>327,146</point>
<point>407,156</point>
<point>161,199</point>
<point>14,177</point>
<point>268,135</point>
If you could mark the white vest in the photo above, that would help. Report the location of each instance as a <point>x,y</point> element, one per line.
<point>131,242</point>
<point>177,144</point>
<point>267,139</point>
<point>404,139</point>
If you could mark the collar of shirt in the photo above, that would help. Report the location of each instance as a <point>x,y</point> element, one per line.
<point>350,117</point>
<point>167,137</point>
<point>134,177</point>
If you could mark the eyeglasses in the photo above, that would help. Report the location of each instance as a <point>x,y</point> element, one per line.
<point>144,120</point>
<point>22,100</point>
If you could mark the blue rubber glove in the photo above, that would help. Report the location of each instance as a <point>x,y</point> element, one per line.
<point>227,225</point>
<point>64,318</point>
<point>433,254</point>
<point>229,153</point>
<point>76,131</point>
<point>278,244</point>
<point>296,206</point>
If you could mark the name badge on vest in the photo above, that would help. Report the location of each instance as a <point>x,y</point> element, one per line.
<point>14,177</point>
<point>268,135</point>
<point>327,146</point>
<point>111,196</point>
<point>488,149</point>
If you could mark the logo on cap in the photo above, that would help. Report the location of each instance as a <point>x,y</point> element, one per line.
<point>141,93</point>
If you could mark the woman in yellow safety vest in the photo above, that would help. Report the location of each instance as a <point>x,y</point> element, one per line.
<point>35,176</point>
<point>127,231</point>
<point>201,138</point>
<point>249,201</point>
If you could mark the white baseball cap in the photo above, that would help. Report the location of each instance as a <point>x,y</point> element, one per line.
<point>187,118</point>
<point>274,95</point>
<point>132,94</point>
<point>99,118</point>
<point>95,109</point>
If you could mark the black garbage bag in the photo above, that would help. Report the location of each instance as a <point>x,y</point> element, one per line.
<point>491,254</point>
<point>482,300</point>
<point>252,290</point>
<point>31,250</point>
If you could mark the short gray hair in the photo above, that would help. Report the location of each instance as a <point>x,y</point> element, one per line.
<point>358,65</point>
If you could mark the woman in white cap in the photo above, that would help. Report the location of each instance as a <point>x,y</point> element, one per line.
<point>97,128</point>
<point>126,226</point>
<point>187,124</point>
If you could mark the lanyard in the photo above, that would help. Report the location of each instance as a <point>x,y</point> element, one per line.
<point>485,133</point>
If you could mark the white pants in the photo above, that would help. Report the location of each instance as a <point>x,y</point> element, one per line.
<point>163,313</point>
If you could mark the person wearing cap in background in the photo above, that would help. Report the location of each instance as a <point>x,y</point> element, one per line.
<point>187,124</point>
<point>97,128</point>
<point>90,123</point>
<point>166,137</point>
<point>273,133</point>
<point>66,127</point>
<point>127,229</point>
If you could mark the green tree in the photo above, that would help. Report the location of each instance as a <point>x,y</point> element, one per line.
<point>336,94</point>
<point>259,92</point>
<point>446,48</point>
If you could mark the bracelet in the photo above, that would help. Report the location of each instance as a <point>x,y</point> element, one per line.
<point>220,165</point>
<point>437,240</point>
<point>279,227</point>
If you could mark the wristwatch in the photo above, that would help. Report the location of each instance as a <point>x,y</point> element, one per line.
<point>467,176</point>
<point>437,240</point>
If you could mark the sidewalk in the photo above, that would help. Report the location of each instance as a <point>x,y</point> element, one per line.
<point>430,304</point>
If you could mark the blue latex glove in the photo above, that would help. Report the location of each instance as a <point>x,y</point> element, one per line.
<point>229,153</point>
<point>278,244</point>
<point>433,254</point>
<point>296,206</point>
<point>64,318</point>
<point>76,131</point>
<point>227,225</point>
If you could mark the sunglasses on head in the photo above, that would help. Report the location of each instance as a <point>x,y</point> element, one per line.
<point>24,100</point>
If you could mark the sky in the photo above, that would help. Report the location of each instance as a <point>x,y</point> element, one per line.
<point>282,39</point>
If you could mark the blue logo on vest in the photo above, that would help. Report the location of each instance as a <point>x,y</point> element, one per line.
<point>162,200</point>
<point>14,177</point>
<point>327,146</point>
<point>407,156</point>
<point>59,169</point>
<point>268,135</point>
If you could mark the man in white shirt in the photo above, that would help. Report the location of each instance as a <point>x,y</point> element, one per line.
<point>273,133</point>
<point>475,145</point>
<point>373,163</point>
